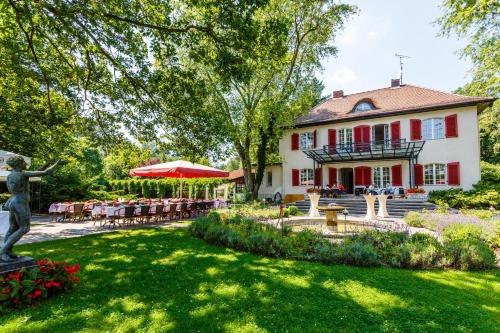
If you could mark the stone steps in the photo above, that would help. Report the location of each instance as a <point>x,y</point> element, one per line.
<point>357,206</point>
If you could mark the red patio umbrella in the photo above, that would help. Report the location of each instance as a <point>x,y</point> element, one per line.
<point>179,169</point>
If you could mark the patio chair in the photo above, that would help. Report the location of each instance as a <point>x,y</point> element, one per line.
<point>73,213</point>
<point>182,210</point>
<point>128,215</point>
<point>87,210</point>
<point>115,218</point>
<point>158,213</point>
<point>143,216</point>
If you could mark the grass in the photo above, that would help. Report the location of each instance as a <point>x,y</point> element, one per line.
<point>161,280</point>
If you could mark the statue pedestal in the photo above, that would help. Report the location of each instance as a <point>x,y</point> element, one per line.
<point>16,265</point>
<point>382,205</point>
<point>370,207</point>
<point>313,209</point>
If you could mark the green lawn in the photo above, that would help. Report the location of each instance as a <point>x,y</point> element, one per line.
<point>155,280</point>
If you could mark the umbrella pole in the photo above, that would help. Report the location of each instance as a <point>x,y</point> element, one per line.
<point>180,194</point>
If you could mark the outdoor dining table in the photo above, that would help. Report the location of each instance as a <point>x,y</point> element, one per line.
<point>58,208</point>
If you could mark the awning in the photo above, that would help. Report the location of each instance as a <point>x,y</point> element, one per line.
<point>367,151</point>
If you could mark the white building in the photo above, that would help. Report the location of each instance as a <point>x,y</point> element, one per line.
<point>403,135</point>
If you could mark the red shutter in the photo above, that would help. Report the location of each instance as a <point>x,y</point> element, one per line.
<point>295,177</point>
<point>315,138</point>
<point>332,176</point>
<point>362,137</point>
<point>451,125</point>
<point>367,176</point>
<point>318,181</point>
<point>295,141</point>
<point>358,176</point>
<point>397,177</point>
<point>454,173</point>
<point>419,174</point>
<point>415,129</point>
<point>396,134</point>
<point>332,137</point>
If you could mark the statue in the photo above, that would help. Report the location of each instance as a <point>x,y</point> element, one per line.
<point>18,204</point>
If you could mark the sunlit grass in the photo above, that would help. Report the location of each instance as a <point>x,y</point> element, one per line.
<point>161,280</point>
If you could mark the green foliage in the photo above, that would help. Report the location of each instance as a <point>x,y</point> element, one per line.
<point>422,252</point>
<point>468,254</point>
<point>415,219</point>
<point>357,254</point>
<point>4,197</point>
<point>293,210</point>
<point>461,232</point>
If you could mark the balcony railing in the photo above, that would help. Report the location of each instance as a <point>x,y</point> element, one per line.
<point>362,151</point>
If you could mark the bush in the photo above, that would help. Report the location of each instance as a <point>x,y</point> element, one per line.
<point>305,242</point>
<point>460,232</point>
<point>30,286</point>
<point>468,254</point>
<point>293,210</point>
<point>357,254</point>
<point>269,244</point>
<point>422,251</point>
<point>389,245</point>
<point>415,219</point>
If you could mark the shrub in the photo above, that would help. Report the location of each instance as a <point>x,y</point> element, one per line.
<point>220,234</point>
<point>304,244</point>
<point>269,244</point>
<point>356,253</point>
<point>468,254</point>
<point>325,252</point>
<point>388,245</point>
<point>30,286</point>
<point>200,226</point>
<point>293,210</point>
<point>422,251</point>
<point>461,231</point>
<point>415,219</point>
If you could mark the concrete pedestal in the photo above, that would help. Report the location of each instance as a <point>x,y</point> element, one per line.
<point>382,206</point>
<point>314,200</point>
<point>370,207</point>
<point>14,266</point>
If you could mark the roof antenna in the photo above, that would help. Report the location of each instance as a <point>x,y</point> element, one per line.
<point>401,56</point>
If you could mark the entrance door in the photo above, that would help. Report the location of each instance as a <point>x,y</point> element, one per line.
<point>347,179</point>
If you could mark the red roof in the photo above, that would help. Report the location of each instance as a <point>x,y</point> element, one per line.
<point>400,99</point>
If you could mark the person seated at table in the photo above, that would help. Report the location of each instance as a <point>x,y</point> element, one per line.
<point>371,190</point>
<point>389,189</point>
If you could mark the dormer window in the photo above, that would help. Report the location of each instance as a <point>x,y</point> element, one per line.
<point>363,106</point>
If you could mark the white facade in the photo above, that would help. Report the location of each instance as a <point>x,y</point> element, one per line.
<point>437,153</point>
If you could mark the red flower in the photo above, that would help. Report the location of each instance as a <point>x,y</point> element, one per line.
<point>56,284</point>
<point>16,276</point>
<point>15,300</point>
<point>6,291</point>
<point>35,294</point>
<point>76,279</point>
<point>41,262</point>
<point>73,269</point>
<point>38,281</point>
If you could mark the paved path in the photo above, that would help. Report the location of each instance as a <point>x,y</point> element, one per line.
<point>43,229</point>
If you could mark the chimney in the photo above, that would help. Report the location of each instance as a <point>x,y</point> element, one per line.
<point>338,94</point>
<point>395,83</point>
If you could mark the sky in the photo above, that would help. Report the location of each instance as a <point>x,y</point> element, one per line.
<point>367,45</point>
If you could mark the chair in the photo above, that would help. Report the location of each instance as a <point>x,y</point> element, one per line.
<point>172,211</point>
<point>158,214</point>
<point>128,215</point>
<point>182,210</point>
<point>143,215</point>
<point>87,210</point>
<point>115,218</point>
<point>73,212</point>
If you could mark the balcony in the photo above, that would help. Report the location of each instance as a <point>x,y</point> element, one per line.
<point>367,151</point>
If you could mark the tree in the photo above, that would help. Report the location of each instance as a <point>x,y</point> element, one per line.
<point>478,21</point>
<point>249,106</point>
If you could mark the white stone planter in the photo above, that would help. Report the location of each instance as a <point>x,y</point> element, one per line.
<point>417,196</point>
<point>370,207</point>
<point>313,209</point>
<point>382,206</point>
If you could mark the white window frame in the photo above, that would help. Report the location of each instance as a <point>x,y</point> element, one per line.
<point>431,171</point>
<point>306,177</point>
<point>363,109</point>
<point>434,132</point>
<point>384,178</point>
<point>345,137</point>
<point>386,134</point>
<point>306,140</point>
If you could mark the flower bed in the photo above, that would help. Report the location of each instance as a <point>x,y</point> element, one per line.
<point>463,251</point>
<point>30,286</point>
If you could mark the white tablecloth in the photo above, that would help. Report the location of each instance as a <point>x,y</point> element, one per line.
<point>4,222</point>
<point>58,208</point>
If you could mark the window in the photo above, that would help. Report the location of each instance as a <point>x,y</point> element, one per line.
<point>306,141</point>
<point>434,174</point>
<point>306,177</point>
<point>433,128</point>
<point>381,177</point>
<point>380,134</point>
<point>363,106</point>
<point>345,138</point>
<point>269,178</point>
